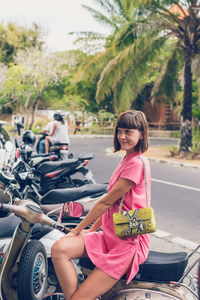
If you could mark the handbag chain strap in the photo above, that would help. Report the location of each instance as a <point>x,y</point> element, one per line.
<point>145,181</point>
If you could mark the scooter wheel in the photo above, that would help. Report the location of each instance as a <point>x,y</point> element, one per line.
<point>32,272</point>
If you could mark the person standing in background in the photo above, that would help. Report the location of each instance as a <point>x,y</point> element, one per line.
<point>19,123</point>
<point>77,127</point>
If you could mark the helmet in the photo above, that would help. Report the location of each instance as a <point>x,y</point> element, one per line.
<point>59,115</point>
<point>28,137</point>
<point>26,152</point>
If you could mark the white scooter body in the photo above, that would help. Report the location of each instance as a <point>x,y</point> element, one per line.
<point>135,290</point>
<point>47,241</point>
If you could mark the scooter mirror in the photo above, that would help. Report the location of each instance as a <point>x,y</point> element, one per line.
<point>73,209</point>
<point>9,146</point>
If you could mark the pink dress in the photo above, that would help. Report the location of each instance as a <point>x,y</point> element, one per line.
<point>110,253</point>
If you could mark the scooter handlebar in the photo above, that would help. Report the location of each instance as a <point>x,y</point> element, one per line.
<point>33,214</point>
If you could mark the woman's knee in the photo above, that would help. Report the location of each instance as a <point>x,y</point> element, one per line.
<point>70,247</point>
<point>59,249</point>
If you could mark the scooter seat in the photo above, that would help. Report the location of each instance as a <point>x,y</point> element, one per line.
<point>159,267</point>
<point>51,166</point>
<point>71,194</point>
<point>40,155</point>
<point>58,146</point>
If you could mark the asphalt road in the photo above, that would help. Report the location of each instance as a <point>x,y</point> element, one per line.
<point>175,189</point>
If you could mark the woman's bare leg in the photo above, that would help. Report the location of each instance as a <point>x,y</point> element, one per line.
<point>63,251</point>
<point>47,141</point>
<point>95,285</point>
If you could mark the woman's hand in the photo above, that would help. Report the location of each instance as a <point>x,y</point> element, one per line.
<point>70,234</point>
<point>85,231</point>
<point>74,233</point>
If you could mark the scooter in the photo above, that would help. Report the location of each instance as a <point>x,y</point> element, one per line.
<point>23,265</point>
<point>60,149</point>
<point>23,268</point>
<point>25,151</point>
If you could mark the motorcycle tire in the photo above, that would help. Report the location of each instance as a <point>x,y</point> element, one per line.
<point>32,272</point>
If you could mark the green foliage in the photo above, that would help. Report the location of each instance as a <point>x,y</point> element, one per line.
<point>196,113</point>
<point>196,140</point>
<point>14,38</point>
<point>195,100</point>
<point>40,125</point>
<point>175,134</point>
<point>166,83</point>
<point>103,115</point>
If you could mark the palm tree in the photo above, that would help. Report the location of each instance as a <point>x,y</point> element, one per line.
<point>117,15</point>
<point>142,29</point>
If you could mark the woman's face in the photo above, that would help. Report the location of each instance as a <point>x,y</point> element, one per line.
<point>128,139</point>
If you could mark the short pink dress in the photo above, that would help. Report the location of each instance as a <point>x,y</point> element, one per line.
<point>110,253</point>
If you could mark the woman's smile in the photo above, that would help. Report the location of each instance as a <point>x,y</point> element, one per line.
<point>128,138</point>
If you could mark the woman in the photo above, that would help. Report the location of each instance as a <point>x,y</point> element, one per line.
<point>59,133</point>
<point>112,256</point>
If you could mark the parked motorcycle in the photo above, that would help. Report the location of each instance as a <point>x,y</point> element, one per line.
<point>25,151</point>
<point>52,174</point>
<point>6,145</point>
<point>51,202</point>
<point>24,268</point>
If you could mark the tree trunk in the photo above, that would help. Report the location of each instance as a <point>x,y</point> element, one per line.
<point>33,113</point>
<point>186,124</point>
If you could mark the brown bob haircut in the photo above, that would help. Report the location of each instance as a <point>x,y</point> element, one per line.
<point>133,119</point>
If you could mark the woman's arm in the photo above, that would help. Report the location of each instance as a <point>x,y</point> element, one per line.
<point>121,187</point>
<point>54,129</point>
<point>96,225</point>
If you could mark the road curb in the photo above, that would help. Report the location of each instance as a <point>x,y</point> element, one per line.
<point>109,151</point>
<point>178,241</point>
<point>179,164</point>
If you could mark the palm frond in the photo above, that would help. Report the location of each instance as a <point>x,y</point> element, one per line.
<point>111,7</point>
<point>131,65</point>
<point>100,17</point>
<point>90,42</point>
<point>165,85</point>
<point>94,66</point>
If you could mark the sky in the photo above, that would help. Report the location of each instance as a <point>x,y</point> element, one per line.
<point>56,17</point>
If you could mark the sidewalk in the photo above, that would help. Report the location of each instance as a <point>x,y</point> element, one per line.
<point>162,154</point>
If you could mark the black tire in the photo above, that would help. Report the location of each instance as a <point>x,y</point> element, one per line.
<point>32,272</point>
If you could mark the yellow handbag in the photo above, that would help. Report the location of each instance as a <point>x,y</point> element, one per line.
<point>136,221</point>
